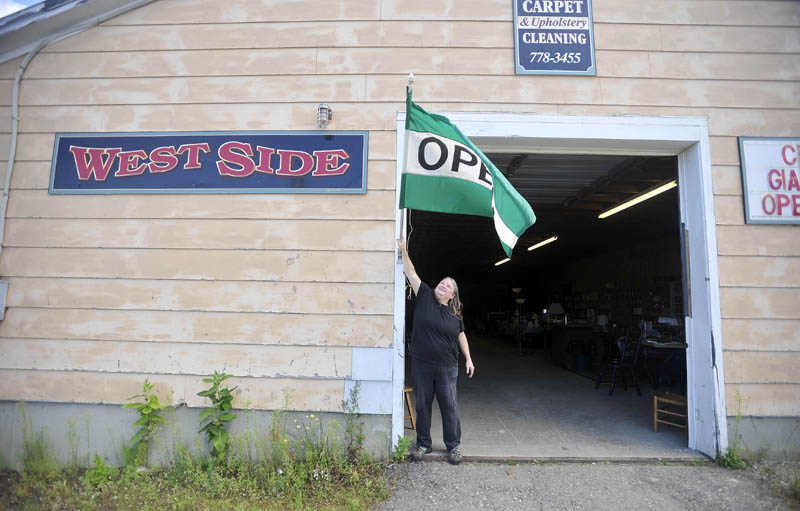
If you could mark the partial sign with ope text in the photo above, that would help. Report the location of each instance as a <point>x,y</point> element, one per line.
<point>554,37</point>
<point>210,162</point>
<point>770,179</point>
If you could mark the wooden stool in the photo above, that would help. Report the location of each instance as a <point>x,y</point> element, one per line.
<point>407,391</point>
<point>672,405</point>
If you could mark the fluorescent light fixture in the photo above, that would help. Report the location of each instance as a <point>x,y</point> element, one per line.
<point>542,243</point>
<point>504,261</point>
<point>647,194</point>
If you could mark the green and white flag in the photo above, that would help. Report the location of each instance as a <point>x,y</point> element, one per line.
<point>446,173</point>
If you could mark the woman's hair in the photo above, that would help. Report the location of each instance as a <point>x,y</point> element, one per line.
<point>455,302</point>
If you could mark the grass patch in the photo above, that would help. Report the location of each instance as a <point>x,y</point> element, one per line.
<point>227,486</point>
<point>311,466</point>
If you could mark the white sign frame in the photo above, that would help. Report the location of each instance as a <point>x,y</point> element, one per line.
<point>757,174</point>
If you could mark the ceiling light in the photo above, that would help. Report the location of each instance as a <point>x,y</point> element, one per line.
<point>647,194</point>
<point>542,243</point>
<point>504,261</point>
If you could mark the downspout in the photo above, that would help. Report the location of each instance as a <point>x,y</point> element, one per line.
<point>14,133</point>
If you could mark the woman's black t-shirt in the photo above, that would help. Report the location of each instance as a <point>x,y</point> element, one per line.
<point>435,335</point>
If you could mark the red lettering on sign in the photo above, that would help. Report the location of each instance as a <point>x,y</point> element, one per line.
<point>783,201</point>
<point>793,184</point>
<point>795,205</point>
<point>286,158</point>
<point>768,199</point>
<point>774,179</point>
<point>129,163</point>
<point>264,154</point>
<point>237,153</point>
<point>163,159</point>
<point>193,159</point>
<point>785,153</point>
<point>328,163</point>
<point>94,164</point>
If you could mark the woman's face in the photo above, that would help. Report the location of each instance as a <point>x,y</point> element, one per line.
<point>444,291</point>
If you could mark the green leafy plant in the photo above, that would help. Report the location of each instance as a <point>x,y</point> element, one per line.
<point>37,454</point>
<point>218,415</point>
<point>99,475</point>
<point>354,428</point>
<point>149,409</point>
<point>400,451</point>
<point>732,457</point>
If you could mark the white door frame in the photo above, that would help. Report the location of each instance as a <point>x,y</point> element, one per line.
<point>684,137</point>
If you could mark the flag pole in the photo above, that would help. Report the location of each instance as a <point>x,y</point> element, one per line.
<point>404,215</point>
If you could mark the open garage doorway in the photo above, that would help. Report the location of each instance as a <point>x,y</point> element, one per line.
<point>548,326</point>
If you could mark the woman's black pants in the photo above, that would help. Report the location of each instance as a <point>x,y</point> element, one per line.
<point>430,379</point>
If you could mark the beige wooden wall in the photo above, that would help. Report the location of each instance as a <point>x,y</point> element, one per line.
<point>107,289</point>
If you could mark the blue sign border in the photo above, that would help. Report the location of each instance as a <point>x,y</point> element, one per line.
<point>518,69</point>
<point>161,191</point>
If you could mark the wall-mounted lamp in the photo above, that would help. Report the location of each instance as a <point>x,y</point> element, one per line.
<point>542,243</point>
<point>647,194</point>
<point>516,290</point>
<point>504,261</point>
<point>324,115</point>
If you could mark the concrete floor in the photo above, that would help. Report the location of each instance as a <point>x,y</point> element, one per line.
<point>525,407</point>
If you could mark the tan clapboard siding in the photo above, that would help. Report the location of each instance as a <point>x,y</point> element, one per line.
<point>761,334</point>
<point>729,210</point>
<point>697,12</point>
<point>39,147</point>
<point>762,303</point>
<point>764,399</point>
<point>28,174</point>
<point>35,175</point>
<point>285,35</point>
<point>703,38</point>
<point>724,124</point>
<point>187,117</point>
<point>762,367</point>
<point>220,234</point>
<point>213,89</point>
<point>435,34</point>
<point>727,180</point>
<point>612,91</point>
<point>200,295</point>
<point>758,240</point>
<point>286,61</point>
<point>459,61</point>
<point>375,205</point>
<point>253,265</point>
<point>165,12</point>
<point>116,388</point>
<point>618,91</point>
<point>504,89</point>
<point>191,327</point>
<point>184,359</point>
<point>759,271</point>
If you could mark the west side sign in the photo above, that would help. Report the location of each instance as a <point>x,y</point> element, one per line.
<point>210,162</point>
<point>770,179</point>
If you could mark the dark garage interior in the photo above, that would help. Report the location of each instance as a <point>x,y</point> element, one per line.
<point>573,339</point>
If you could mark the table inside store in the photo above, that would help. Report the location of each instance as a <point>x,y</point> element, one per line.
<point>664,358</point>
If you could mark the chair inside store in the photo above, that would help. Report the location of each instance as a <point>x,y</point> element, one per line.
<point>622,362</point>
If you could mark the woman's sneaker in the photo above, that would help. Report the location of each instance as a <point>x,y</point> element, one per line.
<point>455,456</point>
<point>418,453</point>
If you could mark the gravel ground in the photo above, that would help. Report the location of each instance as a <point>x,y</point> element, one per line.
<point>436,485</point>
